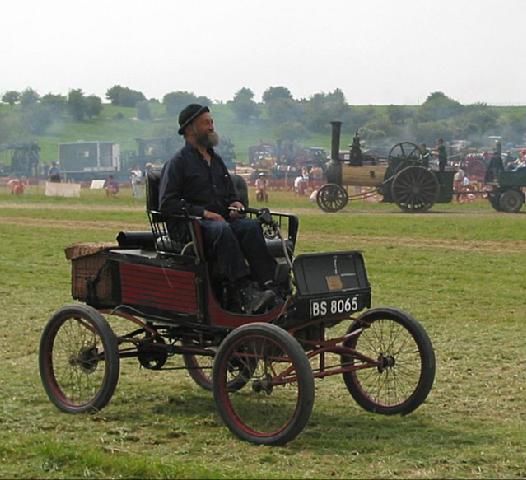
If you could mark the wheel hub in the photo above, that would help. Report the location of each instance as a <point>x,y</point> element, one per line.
<point>385,361</point>
<point>86,359</point>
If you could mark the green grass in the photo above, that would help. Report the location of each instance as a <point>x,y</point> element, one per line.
<point>458,269</point>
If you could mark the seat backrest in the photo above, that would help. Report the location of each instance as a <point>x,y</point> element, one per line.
<point>181,236</point>
<point>153,180</point>
<point>162,240</point>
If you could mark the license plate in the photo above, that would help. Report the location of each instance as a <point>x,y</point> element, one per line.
<point>333,306</point>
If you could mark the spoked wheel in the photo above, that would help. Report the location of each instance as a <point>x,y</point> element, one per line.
<point>511,201</point>
<point>406,362</point>
<point>331,198</point>
<point>200,370</point>
<point>405,151</point>
<point>415,189</point>
<point>276,401</point>
<point>79,359</point>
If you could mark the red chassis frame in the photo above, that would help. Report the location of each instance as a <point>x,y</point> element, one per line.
<point>318,347</point>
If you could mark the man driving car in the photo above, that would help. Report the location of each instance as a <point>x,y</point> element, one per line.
<point>197,180</point>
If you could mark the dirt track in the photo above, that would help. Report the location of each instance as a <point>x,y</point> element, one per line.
<point>75,224</point>
<point>414,242</point>
<point>354,209</point>
<point>51,206</point>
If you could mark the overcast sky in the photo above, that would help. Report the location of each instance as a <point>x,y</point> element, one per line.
<point>376,51</point>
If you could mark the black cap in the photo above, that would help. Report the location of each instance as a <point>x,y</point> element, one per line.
<point>189,114</point>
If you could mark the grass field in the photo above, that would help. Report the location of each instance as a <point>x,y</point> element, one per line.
<point>459,269</point>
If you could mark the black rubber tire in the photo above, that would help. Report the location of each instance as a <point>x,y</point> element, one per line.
<point>376,345</point>
<point>494,199</point>
<point>86,329</point>
<point>511,201</point>
<point>261,399</point>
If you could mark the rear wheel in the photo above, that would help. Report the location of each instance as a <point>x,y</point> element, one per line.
<point>415,189</point>
<point>79,359</point>
<point>406,362</point>
<point>200,370</point>
<point>275,402</point>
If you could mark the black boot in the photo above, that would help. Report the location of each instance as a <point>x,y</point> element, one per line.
<point>253,300</point>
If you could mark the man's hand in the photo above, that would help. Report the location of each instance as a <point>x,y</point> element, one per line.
<point>213,216</point>
<point>235,213</point>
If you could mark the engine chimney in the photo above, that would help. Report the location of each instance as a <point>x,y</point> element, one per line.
<point>334,167</point>
<point>335,145</point>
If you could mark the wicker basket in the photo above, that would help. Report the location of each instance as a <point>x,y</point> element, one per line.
<point>88,262</point>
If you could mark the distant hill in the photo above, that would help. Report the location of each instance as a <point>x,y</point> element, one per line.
<point>120,125</point>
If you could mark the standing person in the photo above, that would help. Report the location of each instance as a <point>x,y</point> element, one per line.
<point>458,182</point>
<point>261,188</point>
<point>17,186</point>
<point>111,186</point>
<point>442,155</point>
<point>54,174</point>
<point>300,185</point>
<point>136,179</point>
<point>197,180</point>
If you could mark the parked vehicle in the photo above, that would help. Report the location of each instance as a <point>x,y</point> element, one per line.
<point>505,189</point>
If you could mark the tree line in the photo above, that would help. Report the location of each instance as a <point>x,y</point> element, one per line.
<point>289,118</point>
<point>439,116</point>
<point>33,113</point>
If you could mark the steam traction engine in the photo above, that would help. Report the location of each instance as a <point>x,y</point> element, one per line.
<point>405,179</point>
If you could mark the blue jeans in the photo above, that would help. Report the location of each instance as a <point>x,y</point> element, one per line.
<point>229,244</point>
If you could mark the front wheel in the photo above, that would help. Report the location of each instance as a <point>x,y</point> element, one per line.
<point>276,399</point>
<point>405,368</point>
<point>79,359</point>
<point>331,198</point>
<point>494,200</point>
<point>511,201</point>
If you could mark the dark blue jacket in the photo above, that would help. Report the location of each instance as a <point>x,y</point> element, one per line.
<point>187,176</point>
